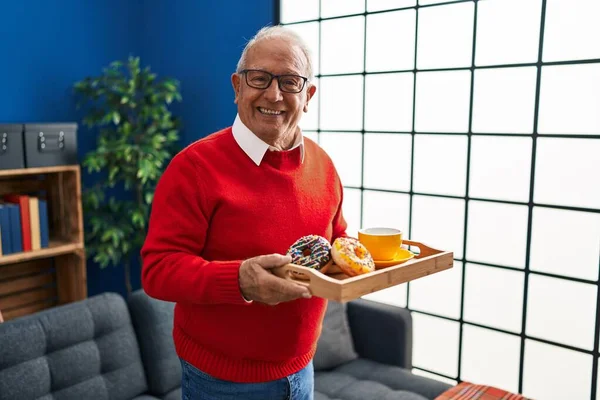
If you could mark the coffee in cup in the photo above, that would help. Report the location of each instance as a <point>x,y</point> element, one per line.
<point>383,243</point>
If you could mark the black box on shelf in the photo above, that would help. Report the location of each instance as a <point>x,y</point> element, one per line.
<point>11,146</point>
<point>50,144</point>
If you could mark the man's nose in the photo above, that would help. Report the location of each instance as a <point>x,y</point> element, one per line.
<point>272,93</point>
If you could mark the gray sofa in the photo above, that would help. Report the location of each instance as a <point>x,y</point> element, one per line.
<point>365,352</point>
<point>107,348</point>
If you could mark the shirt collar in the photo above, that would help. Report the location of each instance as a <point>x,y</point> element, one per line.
<point>255,147</point>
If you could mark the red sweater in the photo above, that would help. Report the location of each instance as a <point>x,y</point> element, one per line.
<point>213,208</point>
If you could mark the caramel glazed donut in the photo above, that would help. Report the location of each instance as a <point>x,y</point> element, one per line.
<point>310,251</point>
<point>352,256</point>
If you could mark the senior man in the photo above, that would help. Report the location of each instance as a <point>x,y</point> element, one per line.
<point>225,212</point>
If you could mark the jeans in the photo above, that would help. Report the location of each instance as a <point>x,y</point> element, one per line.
<point>197,385</point>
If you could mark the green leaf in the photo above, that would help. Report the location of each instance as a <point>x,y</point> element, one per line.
<point>114,170</point>
<point>126,128</point>
<point>125,247</point>
<point>170,85</point>
<point>138,220</point>
<point>172,134</point>
<point>102,259</point>
<point>116,64</point>
<point>106,236</point>
<point>116,117</point>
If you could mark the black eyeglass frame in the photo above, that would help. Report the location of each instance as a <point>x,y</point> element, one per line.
<point>273,76</point>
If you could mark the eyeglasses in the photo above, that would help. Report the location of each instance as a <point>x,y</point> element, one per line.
<point>259,79</point>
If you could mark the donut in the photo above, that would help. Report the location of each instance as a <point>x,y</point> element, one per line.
<point>352,256</point>
<point>310,251</point>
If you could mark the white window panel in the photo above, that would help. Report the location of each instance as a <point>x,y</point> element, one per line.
<point>439,293</point>
<point>294,10</point>
<point>561,311</point>
<point>439,222</point>
<point>572,30</point>
<point>427,2</point>
<point>391,41</point>
<point>554,373</point>
<point>341,103</point>
<point>380,5</point>
<point>497,233</point>
<point>342,45</point>
<point>440,164</point>
<point>576,233</point>
<point>435,344</point>
<point>395,295</point>
<point>482,345</point>
<point>504,100</point>
<point>351,209</point>
<point>500,168</point>
<point>309,32</point>
<point>334,8</point>
<point>445,36</point>
<point>567,172</point>
<point>508,31</point>
<point>310,119</point>
<point>345,150</point>
<point>389,102</point>
<point>494,297</point>
<point>382,209</point>
<point>570,100</point>
<point>387,161</point>
<point>442,101</point>
<point>436,377</point>
<point>314,136</point>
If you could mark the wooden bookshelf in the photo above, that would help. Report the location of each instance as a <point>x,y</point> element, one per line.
<point>55,248</point>
<point>31,281</point>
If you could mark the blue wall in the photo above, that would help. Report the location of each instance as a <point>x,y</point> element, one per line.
<point>199,43</point>
<point>46,46</point>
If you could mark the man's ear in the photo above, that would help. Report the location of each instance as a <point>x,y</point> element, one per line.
<point>235,82</point>
<point>309,94</point>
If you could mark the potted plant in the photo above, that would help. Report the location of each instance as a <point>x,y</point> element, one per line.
<point>137,136</point>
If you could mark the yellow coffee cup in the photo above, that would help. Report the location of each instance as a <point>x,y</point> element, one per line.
<point>383,243</point>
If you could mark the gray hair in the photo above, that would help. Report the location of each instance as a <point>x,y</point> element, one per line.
<point>278,31</point>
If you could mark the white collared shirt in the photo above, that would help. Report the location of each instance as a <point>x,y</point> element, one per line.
<point>254,146</point>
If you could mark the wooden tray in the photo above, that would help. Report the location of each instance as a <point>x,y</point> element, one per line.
<point>342,288</point>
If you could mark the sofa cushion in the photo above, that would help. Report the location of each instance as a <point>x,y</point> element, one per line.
<point>153,322</point>
<point>77,351</point>
<point>364,379</point>
<point>173,395</point>
<point>335,346</point>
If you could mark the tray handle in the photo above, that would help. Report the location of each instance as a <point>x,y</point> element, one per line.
<point>287,272</point>
<point>424,250</point>
<point>310,276</point>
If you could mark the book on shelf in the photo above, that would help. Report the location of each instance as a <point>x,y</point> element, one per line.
<point>23,223</point>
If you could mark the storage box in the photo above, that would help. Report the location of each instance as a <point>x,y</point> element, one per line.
<point>11,146</point>
<point>50,144</point>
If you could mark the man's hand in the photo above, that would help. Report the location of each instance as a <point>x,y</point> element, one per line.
<point>259,284</point>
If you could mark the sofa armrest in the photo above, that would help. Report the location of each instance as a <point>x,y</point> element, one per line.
<point>153,323</point>
<point>381,332</point>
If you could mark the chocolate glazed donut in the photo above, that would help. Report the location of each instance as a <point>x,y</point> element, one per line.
<point>311,251</point>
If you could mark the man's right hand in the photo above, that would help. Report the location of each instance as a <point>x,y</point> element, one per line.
<point>259,284</point>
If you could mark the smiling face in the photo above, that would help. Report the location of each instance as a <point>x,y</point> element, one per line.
<point>269,113</point>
